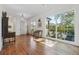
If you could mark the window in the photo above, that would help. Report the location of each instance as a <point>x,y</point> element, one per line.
<point>61,26</point>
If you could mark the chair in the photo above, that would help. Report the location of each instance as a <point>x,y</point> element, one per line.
<point>7,36</point>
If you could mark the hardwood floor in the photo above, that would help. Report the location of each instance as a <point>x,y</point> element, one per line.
<point>25,45</point>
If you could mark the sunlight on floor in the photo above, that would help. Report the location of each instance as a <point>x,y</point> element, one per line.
<point>46,42</point>
<point>49,43</point>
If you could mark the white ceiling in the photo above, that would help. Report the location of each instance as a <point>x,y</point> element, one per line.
<point>31,10</point>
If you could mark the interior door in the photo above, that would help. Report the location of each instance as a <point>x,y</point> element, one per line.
<point>23,27</point>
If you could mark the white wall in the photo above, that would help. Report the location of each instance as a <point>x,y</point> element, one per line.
<point>11,22</point>
<point>20,26</point>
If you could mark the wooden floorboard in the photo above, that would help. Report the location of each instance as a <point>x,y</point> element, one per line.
<point>25,45</point>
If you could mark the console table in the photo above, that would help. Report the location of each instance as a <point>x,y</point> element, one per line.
<point>38,33</point>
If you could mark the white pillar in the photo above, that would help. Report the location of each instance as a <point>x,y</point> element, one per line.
<point>0,30</point>
<point>44,26</point>
<point>76,25</point>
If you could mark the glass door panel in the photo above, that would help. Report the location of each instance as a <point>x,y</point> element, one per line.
<point>65,26</point>
<point>61,26</point>
<point>51,26</point>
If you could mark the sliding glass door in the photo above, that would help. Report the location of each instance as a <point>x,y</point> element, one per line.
<point>61,26</point>
<point>51,26</point>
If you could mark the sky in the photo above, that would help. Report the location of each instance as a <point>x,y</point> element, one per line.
<point>54,20</point>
